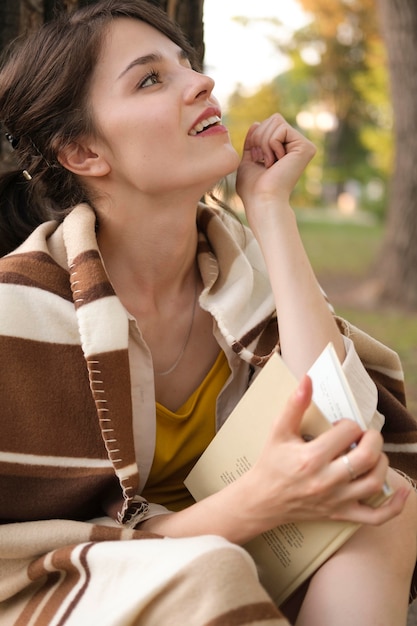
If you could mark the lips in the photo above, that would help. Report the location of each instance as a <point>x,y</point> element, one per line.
<point>209,121</point>
<point>210,117</point>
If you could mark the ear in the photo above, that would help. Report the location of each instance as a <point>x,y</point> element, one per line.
<point>82,160</point>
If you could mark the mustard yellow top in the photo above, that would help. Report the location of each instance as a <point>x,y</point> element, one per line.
<point>181,437</point>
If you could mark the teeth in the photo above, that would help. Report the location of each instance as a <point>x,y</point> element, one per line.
<point>214,119</point>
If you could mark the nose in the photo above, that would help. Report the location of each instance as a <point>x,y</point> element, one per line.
<point>200,85</point>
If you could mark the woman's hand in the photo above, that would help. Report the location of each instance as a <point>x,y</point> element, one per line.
<point>294,481</point>
<point>298,481</point>
<point>274,157</point>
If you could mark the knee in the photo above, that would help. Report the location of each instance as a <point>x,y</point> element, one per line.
<point>401,531</point>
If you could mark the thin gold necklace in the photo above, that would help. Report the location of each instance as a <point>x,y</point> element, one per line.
<point>187,338</point>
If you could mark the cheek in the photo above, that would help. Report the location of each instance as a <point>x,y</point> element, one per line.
<point>150,140</point>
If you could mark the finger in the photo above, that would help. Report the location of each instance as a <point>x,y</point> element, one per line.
<point>269,141</point>
<point>364,455</point>
<point>361,513</point>
<point>257,155</point>
<point>249,141</point>
<point>274,139</point>
<point>363,488</point>
<point>333,443</point>
<point>268,138</point>
<point>259,137</point>
<point>288,423</point>
<point>252,150</point>
<point>349,467</point>
<point>278,138</point>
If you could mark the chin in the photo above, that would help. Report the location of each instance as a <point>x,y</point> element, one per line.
<point>230,161</point>
<point>221,164</point>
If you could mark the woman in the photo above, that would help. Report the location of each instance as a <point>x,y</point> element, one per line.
<point>133,322</point>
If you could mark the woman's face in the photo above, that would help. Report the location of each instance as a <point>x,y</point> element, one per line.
<point>149,108</point>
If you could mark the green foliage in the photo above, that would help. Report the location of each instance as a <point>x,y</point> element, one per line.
<point>338,66</point>
<point>244,110</point>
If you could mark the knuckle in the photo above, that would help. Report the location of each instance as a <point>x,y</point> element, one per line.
<point>277,117</point>
<point>314,489</point>
<point>366,458</point>
<point>308,467</point>
<point>375,436</point>
<point>375,483</point>
<point>307,460</point>
<point>312,148</point>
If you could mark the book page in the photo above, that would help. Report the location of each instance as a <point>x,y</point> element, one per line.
<point>290,553</point>
<point>333,395</point>
<point>287,555</point>
<point>331,390</point>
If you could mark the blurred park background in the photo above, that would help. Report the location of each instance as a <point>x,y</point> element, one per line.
<point>349,83</point>
<point>349,86</point>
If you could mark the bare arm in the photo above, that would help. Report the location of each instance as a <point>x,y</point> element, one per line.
<point>275,156</point>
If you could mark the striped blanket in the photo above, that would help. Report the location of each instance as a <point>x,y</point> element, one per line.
<point>66,448</point>
<point>112,576</point>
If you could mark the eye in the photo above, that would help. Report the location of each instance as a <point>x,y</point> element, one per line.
<point>152,78</point>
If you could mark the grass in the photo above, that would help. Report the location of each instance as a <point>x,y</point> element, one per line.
<point>340,247</point>
<point>342,253</point>
<point>398,331</point>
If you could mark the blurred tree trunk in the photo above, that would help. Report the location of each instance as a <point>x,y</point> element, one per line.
<point>397,266</point>
<point>9,29</point>
<point>189,15</point>
<point>9,21</point>
<point>16,16</point>
<point>51,7</point>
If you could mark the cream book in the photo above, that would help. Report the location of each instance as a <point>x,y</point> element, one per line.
<point>287,555</point>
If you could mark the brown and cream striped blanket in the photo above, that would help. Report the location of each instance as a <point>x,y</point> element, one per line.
<point>66,447</point>
<point>112,576</point>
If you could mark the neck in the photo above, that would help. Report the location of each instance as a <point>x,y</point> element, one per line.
<point>154,255</point>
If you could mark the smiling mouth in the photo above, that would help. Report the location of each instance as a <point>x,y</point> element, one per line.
<point>213,120</point>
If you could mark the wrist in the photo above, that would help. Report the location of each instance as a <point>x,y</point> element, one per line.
<point>271,220</point>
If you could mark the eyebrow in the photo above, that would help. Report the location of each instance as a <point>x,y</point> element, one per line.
<point>153,57</point>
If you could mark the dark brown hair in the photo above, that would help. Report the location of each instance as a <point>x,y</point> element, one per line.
<point>44,88</point>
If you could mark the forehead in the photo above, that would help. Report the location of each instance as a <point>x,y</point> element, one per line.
<point>127,39</point>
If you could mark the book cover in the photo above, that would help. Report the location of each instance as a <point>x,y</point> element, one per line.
<point>288,554</point>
